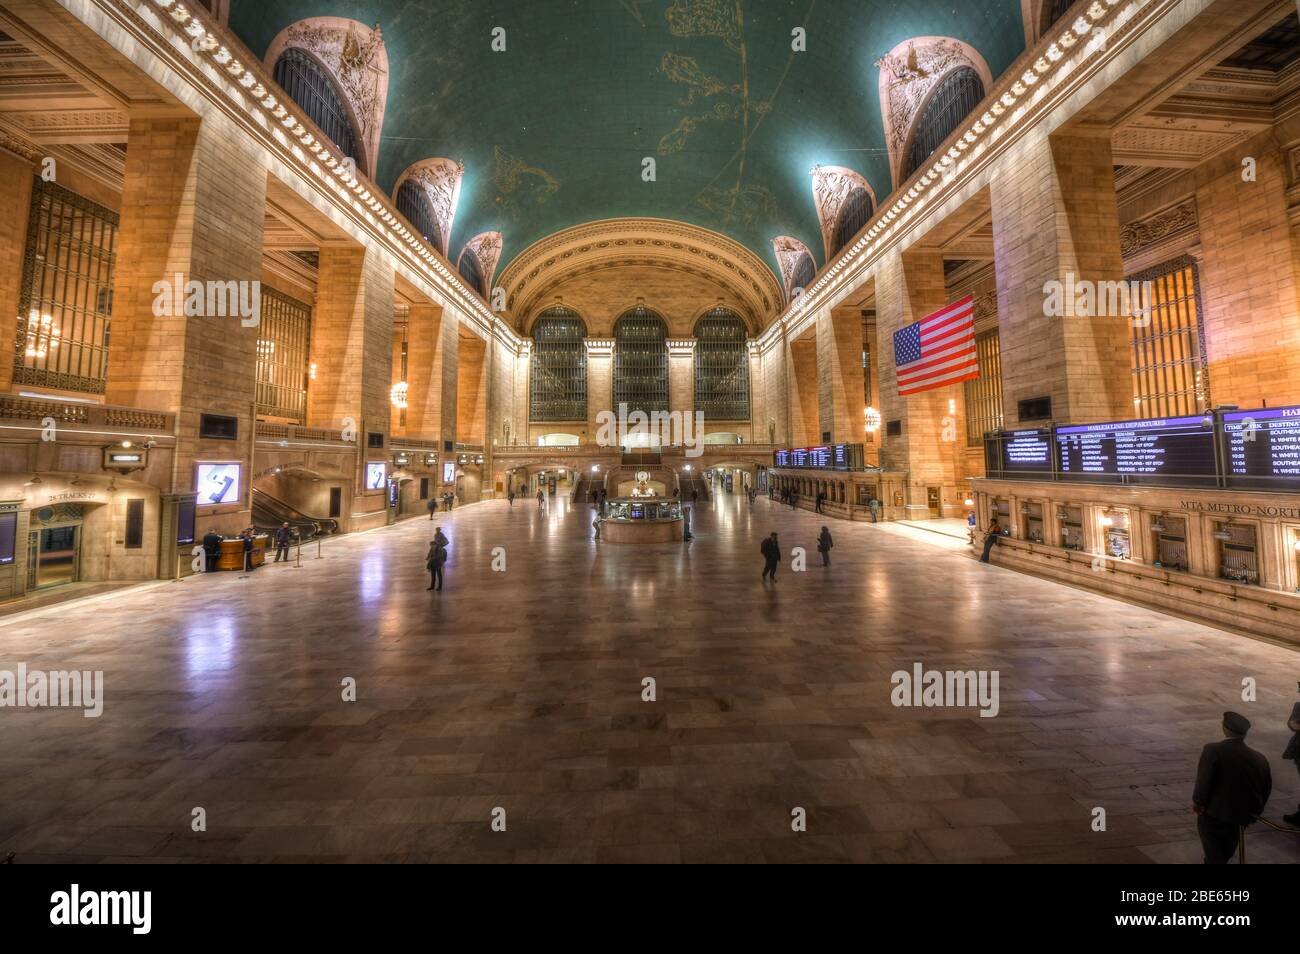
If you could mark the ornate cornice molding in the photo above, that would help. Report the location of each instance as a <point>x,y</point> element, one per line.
<point>662,242</point>
<point>1164,226</point>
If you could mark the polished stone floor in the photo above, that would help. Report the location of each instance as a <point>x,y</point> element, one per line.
<point>522,690</point>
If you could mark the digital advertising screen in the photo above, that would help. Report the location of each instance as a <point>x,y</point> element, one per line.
<point>1263,447</point>
<point>449,472</point>
<point>217,484</point>
<point>1160,450</point>
<point>376,473</point>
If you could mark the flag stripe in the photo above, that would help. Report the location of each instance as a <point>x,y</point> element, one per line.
<point>938,350</point>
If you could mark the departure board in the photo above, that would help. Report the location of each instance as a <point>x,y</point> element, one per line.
<point>823,457</point>
<point>1162,450</point>
<point>1263,447</point>
<point>1027,452</point>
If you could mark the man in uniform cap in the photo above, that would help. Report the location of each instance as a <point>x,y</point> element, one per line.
<point>1233,783</point>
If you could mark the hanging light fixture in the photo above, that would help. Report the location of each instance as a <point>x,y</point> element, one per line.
<point>398,395</point>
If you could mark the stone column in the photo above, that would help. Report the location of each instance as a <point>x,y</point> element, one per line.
<point>600,383</point>
<point>352,336</point>
<point>909,286</point>
<point>193,204</point>
<point>431,352</point>
<point>839,353</point>
<point>16,196</point>
<point>1056,220</point>
<point>757,395</point>
<point>471,390</point>
<point>681,383</point>
<point>803,391</point>
<point>1250,279</point>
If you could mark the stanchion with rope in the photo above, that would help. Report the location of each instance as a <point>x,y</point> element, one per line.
<point>1241,836</point>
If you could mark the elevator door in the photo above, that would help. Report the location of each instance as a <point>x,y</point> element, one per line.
<point>933,501</point>
<point>52,556</point>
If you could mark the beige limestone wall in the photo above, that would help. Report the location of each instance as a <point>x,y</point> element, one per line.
<point>471,390</point>
<point>804,393</point>
<point>16,198</point>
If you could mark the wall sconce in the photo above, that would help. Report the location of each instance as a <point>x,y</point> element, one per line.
<point>311,371</point>
<point>595,468</point>
<point>872,417</point>
<point>969,502</point>
<point>398,395</point>
<point>1107,520</point>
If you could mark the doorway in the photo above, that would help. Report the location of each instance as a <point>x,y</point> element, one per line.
<point>52,556</point>
<point>934,501</point>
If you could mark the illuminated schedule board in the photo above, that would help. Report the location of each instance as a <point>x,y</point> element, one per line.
<point>822,457</point>
<point>1161,450</point>
<point>1263,448</point>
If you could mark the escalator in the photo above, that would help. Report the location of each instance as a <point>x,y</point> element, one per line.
<point>270,512</point>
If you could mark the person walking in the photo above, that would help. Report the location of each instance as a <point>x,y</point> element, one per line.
<point>283,537</point>
<point>991,540</point>
<point>771,551</point>
<point>824,544</point>
<point>510,496</point>
<point>595,525</point>
<point>432,506</point>
<point>874,506</point>
<point>1233,783</point>
<point>541,499</point>
<point>794,500</point>
<point>695,496</point>
<point>1293,753</point>
<point>817,501</point>
<point>436,558</point>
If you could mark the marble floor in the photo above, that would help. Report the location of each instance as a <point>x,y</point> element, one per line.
<point>521,689</point>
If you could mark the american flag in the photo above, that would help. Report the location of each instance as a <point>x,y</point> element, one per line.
<point>938,350</point>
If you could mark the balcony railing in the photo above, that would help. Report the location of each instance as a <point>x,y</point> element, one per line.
<point>14,408</point>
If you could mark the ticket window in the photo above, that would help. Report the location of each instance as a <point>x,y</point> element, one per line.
<point>1238,554</point>
<point>1032,514</point>
<point>1071,527</point>
<point>1169,542</point>
<point>1295,556</point>
<point>1001,512</point>
<point>1115,535</point>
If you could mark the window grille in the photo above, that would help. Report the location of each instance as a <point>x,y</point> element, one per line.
<point>641,361</point>
<point>959,93</point>
<point>984,394</point>
<point>283,346</point>
<point>1169,368</point>
<point>721,366</point>
<point>558,369</point>
<point>309,85</point>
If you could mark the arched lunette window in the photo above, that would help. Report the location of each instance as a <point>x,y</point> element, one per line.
<point>721,366</point>
<point>641,361</point>
<point>309,85</point>
<point>471,270</point>
<point>854,214</point>
<point>558,368</point>
<point>805,270</point>
<point>951,102</point>
<point>413,203</point>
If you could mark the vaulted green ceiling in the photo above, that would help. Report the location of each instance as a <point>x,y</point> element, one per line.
<point>553,130</point>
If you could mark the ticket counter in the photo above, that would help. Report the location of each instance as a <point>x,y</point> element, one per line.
<point>232,553</point>
<point>642,520</point>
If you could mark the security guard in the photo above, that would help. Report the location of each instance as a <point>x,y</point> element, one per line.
<point>1233,783</point>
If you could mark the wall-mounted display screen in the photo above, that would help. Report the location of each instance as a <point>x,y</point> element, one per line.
<point>1161,450</point>
<point>1027,452</point>
<point>217,483</point>
<point>376,473</point>
<point>1263,447</point>
<point>449,472</point>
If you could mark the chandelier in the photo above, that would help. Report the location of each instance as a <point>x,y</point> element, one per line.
<point>43,334</point>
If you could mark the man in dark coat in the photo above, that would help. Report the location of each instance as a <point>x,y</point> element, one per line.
<point>283,537</point>
<point>824,544</point>
<point>435,559</point>
<point>1292,752</point>
<point>991,540</point>
<point>211,551</point>
<point>1233,783</point>
<point>771,556</point>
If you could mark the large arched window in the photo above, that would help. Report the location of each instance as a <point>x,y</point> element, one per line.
<point>853,216</point>
<point>721,366</point>
<point>559,367</point>
<point>950,103</point>
<point>413,203</point>
<point>805,270</point>
<point>309,85</point>
<point>641,361</point>
<point>471,270</point>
